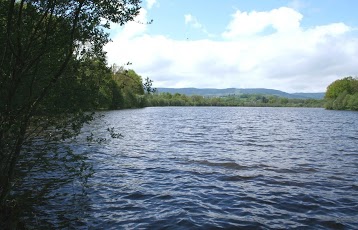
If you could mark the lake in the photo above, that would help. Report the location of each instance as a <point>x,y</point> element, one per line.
<point>217,167</point>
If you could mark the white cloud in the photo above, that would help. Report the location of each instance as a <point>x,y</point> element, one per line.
<point>151,3</point>
<point>248,24</point>
<point>132,28</point>
<point>193,22</point>
<point>290,58</point>
<point>190,19</point>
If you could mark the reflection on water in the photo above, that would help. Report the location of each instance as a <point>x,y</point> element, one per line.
<point>215,168</point>
<point>53,193</point>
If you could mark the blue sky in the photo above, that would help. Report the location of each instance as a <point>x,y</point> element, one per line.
<point>294,46</point>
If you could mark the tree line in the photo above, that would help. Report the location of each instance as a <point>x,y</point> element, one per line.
<point>251,100</point>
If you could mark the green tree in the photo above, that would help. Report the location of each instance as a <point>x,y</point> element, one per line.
<point>341,94</point>
<point>131,87</point>
<point>43,44</point>
<point>347,84</point>
<point>340,102</point>
<point>352,102</point>
<point>148,86</point>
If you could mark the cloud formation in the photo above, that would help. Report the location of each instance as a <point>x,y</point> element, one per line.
<point>193,22</point>
<point>253,23</point>
<point>258,49</point>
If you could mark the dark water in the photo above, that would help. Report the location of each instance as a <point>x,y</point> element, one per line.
<point>207,168</point>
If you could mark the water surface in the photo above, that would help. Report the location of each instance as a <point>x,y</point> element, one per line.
<point>222,167</point>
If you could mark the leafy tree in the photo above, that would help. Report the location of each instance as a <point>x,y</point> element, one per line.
<point>117,96</point>
<point>341,94</point>
<point>147,86</point>
<point>340,102</point>
<point>131,87</point>
<point>47,52</point>
<point>352,102</point>
<point>347,84</point>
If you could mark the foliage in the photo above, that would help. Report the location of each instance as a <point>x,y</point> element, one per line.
<point>342,94</point>
<point>52,69</point>
<point>148,86</point>
<point>167,99</point>
<point>129,86</point>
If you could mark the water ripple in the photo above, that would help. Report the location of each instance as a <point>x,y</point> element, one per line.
<point>230,168</point>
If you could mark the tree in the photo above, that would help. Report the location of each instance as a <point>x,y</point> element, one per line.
<point>43,43</point>
<point>353,101</point>
<point>147,86</point>
<point>130,86</point>
<point>347,84</point>
<point>341,93</point>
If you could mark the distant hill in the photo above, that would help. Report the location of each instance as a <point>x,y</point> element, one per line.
<point>310,95</point>
<point>231,91</point>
